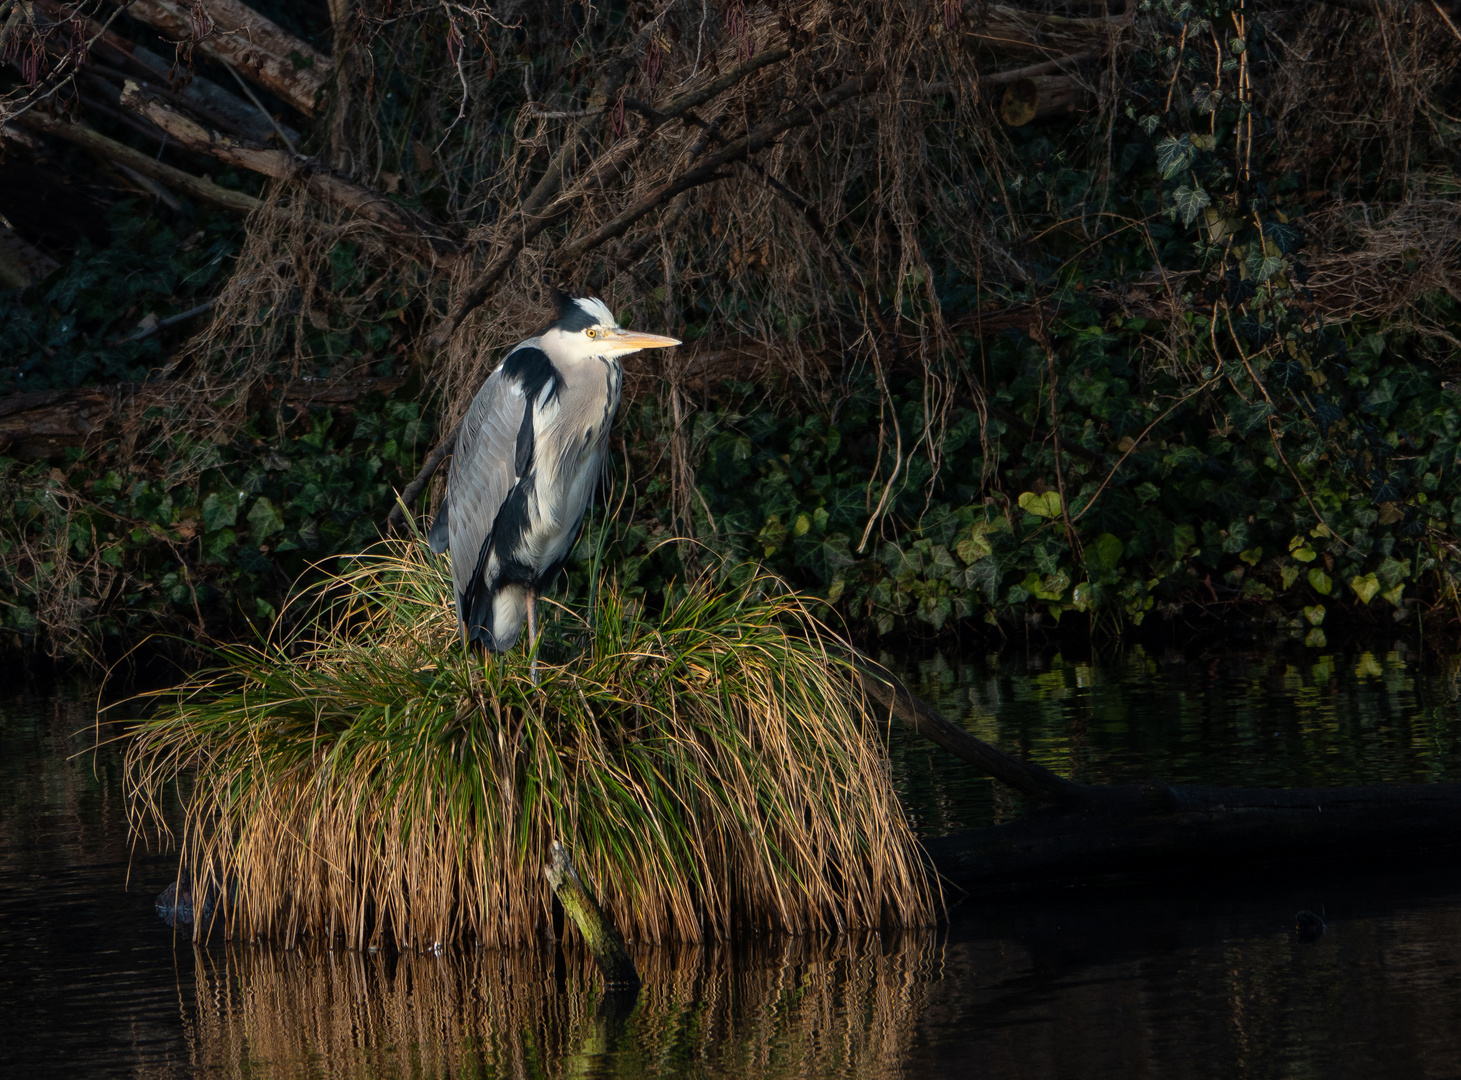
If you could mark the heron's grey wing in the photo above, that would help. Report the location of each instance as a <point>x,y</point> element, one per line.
<point>482,474</point>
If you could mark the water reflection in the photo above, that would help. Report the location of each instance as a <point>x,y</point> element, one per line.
<point>1203,978</point>
<point>798,1008</point>
<point>1209,980</point>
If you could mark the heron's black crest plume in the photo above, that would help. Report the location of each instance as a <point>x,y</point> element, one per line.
<point>574,317</point>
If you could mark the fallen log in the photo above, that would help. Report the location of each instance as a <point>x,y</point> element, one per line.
<point>115,58</point>
<point>44,423</point>
<point>1152,829</point>
<point>407,229</point>
<point>241,38</point>
<point>98,145</point>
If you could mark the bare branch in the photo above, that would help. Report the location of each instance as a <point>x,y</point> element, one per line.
<point>524,226</point>
<point>757,139</point>
<point>397,517</point>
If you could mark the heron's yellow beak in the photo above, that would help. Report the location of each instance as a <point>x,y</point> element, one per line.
<point>635,339</point>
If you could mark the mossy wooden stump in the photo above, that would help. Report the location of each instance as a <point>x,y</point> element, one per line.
<point>599,933</point>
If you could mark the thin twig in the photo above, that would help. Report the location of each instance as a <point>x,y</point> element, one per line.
<point>143,333</point>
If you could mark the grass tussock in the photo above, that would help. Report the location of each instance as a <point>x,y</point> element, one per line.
<point>713,769</point>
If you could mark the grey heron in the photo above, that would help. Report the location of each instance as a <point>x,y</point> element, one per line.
<point>528,456</point>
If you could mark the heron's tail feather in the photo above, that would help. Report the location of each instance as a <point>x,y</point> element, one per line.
<point>437,537</point>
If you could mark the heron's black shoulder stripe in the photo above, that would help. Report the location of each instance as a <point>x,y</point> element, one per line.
<point>524,454</point>
<point>531,369</point>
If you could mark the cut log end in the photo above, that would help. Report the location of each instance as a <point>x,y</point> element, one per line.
<point>599,933</point>
<point>1039,98</point>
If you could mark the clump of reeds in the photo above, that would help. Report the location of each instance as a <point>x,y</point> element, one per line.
<point>713,768</point>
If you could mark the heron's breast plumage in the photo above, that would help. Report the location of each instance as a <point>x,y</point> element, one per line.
<point>570,442</point>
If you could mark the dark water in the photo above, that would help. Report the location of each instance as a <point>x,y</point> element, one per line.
<point>1202,978</point>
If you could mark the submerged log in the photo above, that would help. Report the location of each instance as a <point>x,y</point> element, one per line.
<point>1158,830</point>
<point>1086,832</point>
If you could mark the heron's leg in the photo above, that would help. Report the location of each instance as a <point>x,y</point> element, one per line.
<point>533,635</point>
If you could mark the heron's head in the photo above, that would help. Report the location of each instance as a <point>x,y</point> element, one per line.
<point>586,328</point>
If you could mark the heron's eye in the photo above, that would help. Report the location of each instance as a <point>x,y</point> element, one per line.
<point>592,333</point>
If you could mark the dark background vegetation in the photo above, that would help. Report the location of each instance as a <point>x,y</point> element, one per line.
<point>1181,347</point>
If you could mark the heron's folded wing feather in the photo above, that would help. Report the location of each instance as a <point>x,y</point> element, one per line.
<point>482,470</point>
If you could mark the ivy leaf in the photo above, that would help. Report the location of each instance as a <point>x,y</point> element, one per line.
<point>264,520</point>
<point>1045,506</point>
<point>1286,238</point>
<point>985,575</point>
<point>1321,581</point>
<point>1174,155</point>
<point>1365,587</point>
<point>973,548</point>
<point>220,510</point>
<point>826,558</point>
<point>1104,553</point>
<point>1189,202</point>
<point>1266,267</point>
<point>216,545</point>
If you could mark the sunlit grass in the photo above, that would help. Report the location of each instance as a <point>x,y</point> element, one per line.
<point>713,768</point>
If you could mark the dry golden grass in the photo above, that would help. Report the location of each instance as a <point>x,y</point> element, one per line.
<point>713,769</point>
